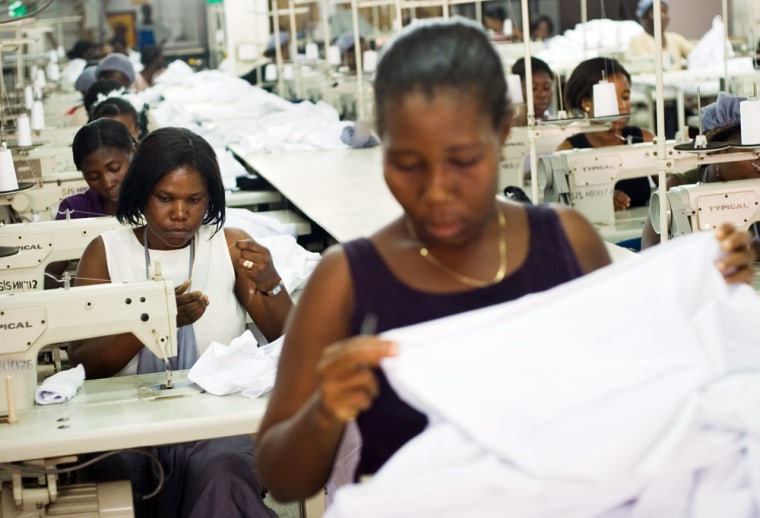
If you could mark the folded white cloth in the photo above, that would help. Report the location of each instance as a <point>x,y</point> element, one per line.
<point>60,387</point>
<point>630,392</point>
<point>243,366</point>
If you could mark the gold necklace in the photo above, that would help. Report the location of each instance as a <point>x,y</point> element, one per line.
<point>469,281</point>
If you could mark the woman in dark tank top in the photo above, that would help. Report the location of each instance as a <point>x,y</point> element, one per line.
<point>443,117</point>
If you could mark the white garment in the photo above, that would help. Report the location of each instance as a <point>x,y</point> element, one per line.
<point>60,387</point>
<point>632,391</point>
<point>213,274</point>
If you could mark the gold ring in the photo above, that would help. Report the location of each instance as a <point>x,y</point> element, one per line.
<point>247,264</point>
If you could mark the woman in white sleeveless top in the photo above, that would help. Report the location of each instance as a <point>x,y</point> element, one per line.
<point>173,197</point>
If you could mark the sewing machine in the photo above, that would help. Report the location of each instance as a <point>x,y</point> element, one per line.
<point>31,321</point>
<point>705,206</point>
<point>42,243</point>
<point>40,202</point>
<point>45,160</point>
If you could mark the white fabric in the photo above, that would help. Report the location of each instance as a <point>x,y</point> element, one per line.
<point>242,366</point>
<point>60,387</point>
<point>708,54</point>
<point>213,274</point>
<point>631,392</point>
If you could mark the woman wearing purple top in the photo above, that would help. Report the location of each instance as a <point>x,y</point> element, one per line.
<point>102,151</point>
<point>443,116</point>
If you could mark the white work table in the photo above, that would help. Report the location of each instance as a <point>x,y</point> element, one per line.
<point>123,412</point>
<point>342,191</point>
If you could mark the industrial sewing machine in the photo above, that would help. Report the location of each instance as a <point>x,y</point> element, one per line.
<point>40,201</point>
<point>31,321</point>
<point>705,206</point>
<point>42,243</point>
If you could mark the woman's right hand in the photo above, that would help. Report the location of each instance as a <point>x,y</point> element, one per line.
<point>190,306</point>
<point>621,200</point>
<point>347,385</point>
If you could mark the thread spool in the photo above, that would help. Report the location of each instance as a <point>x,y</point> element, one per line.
<point>53,73</point>
<point>270,72</point>
<point>605,99</point>
<point>38,116</point>
<point>507,28</point>
<point>53,55</point>
<point>333,55</point>
<point>312,51</point>
<point>23,131</point>
<point>39,79</point>
<point>749,111</point>
<point>8,180</point>
<point>28,97</point>
<point>514,87</point>
<point>369,61</point>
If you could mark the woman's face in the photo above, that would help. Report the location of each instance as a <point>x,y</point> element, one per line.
<point>543,89</point>
<point>176,208</point>
<point>104,170</point>
<point>440,160</point>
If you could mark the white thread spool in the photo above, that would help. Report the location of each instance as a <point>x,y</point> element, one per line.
<point>8,180</point>
<point>53,73</point>
<point>514,87</point>
<point>749,111</point>
<point>270,72</point>
<point>605,99</point>
<point>333,55</point>
<point>52,55</point>
<point>507,28</point>
<point>61,52</point>
<point>369,61</point>
<point>28,97</point>
<point>23,131</point>
<point>40,80</point>
<point>312,51</point>
<point>38,116</point>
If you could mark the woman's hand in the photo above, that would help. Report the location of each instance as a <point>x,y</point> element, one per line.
<point>736,265</point>
<point>255,262</point>
<point>347,385</point>
<point>621,200</point>
<point>190,306</point>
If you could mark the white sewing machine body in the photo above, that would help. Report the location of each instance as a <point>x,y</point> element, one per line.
<point>42,243</point>
<point>34,320</point>
<point>40,202</point>
<point>705,206</point>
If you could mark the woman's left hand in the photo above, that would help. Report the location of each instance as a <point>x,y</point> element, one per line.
<point>736,264</point>
<point>255,262</point>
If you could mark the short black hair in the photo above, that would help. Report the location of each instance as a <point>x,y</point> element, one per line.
<point>161,152</point>
<point>149,54</point>
<point>99,134</point>
<point>101,86</point>
<point>497,13</point>
<point>580,84</point>
<point>439,54</point>
<point>113,106</point>
<point>536,65</point>
<point>541,19</point>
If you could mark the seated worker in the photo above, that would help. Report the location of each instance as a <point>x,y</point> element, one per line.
<point>122,110</point>
<point>495,21</point>
<point>173,198</point>
<point>117,67</point>
<point>579,98</point>
<point>443,116</point>
<point>152,59</point>
<point>676,48</point>
<point>102,151</point>
<point>541,28</point>
<point>721,122</point>
<point>543,89</point>
<point>269,54</point>
<point>345,43</point>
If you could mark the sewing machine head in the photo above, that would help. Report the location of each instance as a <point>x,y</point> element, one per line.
<point>42,243</point>
<point>31,321</point>
<point>40,202</point>
<point>705,206</point>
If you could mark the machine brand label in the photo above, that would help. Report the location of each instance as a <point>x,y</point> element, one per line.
<point>15,325</point>
<point>596,168</point>
<point>728,206</point>
<point>21,285</point>
<point>16,365</point>
<point>29,247</point>
<point>68,191</point>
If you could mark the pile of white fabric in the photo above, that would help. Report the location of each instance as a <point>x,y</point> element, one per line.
<point>630,392</point>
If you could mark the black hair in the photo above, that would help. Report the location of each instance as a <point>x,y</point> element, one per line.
<point>536,65</point>
<point>114,106</point>
<point>101,86</point>
<point>497,13</point>
<point>542,19</point>
<point>581,83</point>
<point>81,50</point>
<point>99,134</point>
<point>161,152</point>
<point>149,54</point>
<point>440,54</point>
